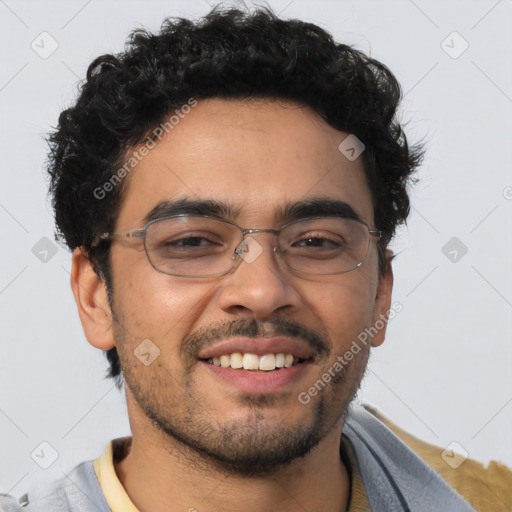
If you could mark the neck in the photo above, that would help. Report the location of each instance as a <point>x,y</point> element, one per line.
<point>159,474</point>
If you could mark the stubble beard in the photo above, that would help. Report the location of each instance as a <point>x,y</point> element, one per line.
<point>252,446</point>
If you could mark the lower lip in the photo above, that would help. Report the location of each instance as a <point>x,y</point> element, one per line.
<point>257,382</point>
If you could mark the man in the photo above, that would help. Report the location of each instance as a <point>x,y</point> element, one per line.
<point>229,189</point>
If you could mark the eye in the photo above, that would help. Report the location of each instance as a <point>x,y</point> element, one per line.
<point>189,241</point>
<point>316,241</point>
<point>319,240</point>
<point>190,244</point>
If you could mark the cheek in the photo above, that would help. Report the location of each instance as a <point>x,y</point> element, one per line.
<point>156,306</point>
<point>345,306</point>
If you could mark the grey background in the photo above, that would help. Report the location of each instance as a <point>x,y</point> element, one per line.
<point>443,373</point>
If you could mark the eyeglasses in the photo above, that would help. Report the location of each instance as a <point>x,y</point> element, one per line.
<point>204,246</point>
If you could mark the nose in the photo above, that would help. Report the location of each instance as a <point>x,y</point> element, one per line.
<point>258,283</point>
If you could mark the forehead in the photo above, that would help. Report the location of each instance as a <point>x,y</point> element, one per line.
<point>254,156</point>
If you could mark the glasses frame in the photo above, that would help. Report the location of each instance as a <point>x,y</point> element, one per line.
<point>141,234</point>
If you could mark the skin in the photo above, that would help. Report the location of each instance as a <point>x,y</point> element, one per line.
<point>256,156</point>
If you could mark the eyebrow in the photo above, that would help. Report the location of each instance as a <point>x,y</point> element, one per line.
<point>315,207</point>
<point>318,207</point>
<point>191,207</point>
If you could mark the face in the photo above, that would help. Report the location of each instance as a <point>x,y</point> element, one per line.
<point>257,159</point>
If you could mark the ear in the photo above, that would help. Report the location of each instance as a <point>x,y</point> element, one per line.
<point>92,301</point>
<point>383,302</point>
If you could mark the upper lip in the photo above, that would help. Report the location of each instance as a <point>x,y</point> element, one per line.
<point>259,346</point>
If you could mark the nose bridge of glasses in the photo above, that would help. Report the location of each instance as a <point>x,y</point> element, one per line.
<point>250,231</point>
<point>249,244</point>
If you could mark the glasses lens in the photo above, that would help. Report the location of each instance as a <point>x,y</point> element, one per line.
<point>191,246</point>
<point>325,245</point>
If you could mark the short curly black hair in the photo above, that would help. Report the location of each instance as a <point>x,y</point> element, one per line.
<point>227,54</point>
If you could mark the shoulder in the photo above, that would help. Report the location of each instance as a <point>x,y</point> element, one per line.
<point>485,488</point>
<point>9,503</point>
<point>78,491</point>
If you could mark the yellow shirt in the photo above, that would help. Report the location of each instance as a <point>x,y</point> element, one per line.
<point>113,490</point>
<point>485,489</point>
<point>119,501</point>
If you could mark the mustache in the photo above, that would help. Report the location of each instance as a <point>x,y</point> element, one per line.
<point>252,328</point>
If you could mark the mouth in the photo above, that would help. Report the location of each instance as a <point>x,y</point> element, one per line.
<point>258,365</point>
<point>254,363</point>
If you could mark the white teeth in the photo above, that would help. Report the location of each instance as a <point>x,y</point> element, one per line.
<point>237,360</point>
<point>251,362</point>
<point>267,362</point>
